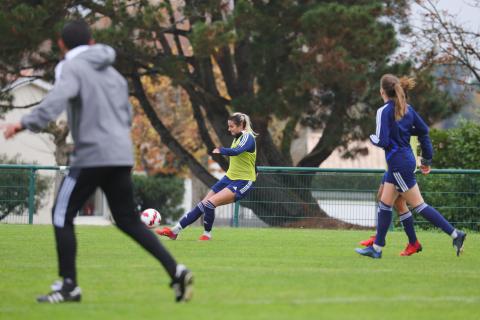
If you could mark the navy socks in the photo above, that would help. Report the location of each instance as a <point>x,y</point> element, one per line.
<point>384,221</point>
<point>192,216</point>
<point>435,218</point>
<point>407,221</point>
<point>209,217</point>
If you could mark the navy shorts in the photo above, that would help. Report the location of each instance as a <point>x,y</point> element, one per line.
<point>240,187</point>
<point>403,179</point>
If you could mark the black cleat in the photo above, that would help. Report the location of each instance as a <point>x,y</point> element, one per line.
<point>59,296</point>
<point>458,242</point>
<point>182,284</point>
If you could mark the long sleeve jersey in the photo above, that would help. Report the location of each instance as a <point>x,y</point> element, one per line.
<point>394,136</point>
<point>243,155</point>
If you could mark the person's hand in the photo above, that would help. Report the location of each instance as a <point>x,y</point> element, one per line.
<point>216,150</point>
<point>425,169</point>
<point>11,129</point>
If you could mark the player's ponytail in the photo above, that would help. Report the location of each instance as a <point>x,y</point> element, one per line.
<point>244,120</point>
<point>407,83</point>
<point>395,88</point>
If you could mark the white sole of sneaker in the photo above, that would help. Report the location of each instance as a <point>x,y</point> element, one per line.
<point>188,287</point>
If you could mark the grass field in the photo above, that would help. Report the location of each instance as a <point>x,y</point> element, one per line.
<point>244,274</point>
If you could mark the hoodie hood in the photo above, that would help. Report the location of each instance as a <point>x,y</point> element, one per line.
<point>99,56</point>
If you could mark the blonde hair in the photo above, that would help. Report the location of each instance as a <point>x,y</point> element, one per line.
<point>244,120</point>
<point>396,88</point>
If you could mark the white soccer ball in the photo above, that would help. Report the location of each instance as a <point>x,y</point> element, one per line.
<point>151,218</point>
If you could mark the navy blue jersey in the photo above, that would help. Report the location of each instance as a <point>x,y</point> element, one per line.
<point>394,136</point>
<point>244,142</point>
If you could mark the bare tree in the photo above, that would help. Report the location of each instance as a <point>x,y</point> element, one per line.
<point>443,39</point>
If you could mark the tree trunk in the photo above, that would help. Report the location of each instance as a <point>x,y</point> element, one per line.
<point>197,169</point>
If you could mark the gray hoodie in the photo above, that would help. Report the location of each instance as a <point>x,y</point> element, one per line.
<point>99,113</point>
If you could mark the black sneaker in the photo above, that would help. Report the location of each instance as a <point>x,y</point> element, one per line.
<point>182,284</point>
<point>57,285</point>
<point>458,242</point>
<point>59,296</point>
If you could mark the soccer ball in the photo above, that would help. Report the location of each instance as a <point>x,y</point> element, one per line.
<point>151,217</point>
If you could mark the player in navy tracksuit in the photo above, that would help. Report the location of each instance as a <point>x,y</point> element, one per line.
<point>396,121</point>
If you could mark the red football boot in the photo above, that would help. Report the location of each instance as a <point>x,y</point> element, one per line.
<point>204,237</point>
<point>411,249</point>
<point>167,232</point>
<point>369,242</point>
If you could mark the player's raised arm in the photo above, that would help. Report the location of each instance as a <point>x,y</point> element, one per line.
<point>246,144</point>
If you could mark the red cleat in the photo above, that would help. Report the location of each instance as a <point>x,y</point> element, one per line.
<point>369,242</point>
<point>204,237</point>
<point>411,249</point>
<point>167,232</point>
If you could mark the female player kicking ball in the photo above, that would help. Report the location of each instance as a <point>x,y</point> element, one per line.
<point>234,186</point>
<point>396,122</point>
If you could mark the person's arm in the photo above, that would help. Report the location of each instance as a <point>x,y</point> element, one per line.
<point>247,144</point>
<point>381,138</point>
<point>422,131</point>
<point>66,88</point>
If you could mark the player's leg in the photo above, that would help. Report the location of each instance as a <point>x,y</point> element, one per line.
<point>193,215</point>
<point>407,221</point>
<point>234,191</point>
<point>75,189</point>
<point>369,242</point>
<point>390,192</point>
<point>415,199</point>
<point>384,220</point>
<point>224,196</point>
<point>118,188</point>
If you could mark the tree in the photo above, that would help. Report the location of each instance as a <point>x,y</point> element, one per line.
<point>269,59</point>
<point>443,39</point>
<point>151,155</point>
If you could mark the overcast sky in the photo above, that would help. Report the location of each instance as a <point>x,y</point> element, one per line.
<point>467,14</point>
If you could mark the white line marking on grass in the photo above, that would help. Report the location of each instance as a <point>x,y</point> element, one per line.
<point>464,299</point>
<point>352,300</point>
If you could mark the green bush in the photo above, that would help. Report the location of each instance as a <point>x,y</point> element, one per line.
<point>14,188</point>
<point>457,147</point>
<point>164,194</point>
<point>455,196</point>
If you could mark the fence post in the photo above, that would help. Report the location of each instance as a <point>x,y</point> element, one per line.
<point>235,214</point>
<point>31,196</point>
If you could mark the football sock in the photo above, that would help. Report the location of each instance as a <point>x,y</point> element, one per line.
<point>209,216</point>
<point>435,218</point>
<point>190,217</point>
<point>384,221</point>
<point>407,221</point>
<point>454,234</point>
<point>177,228</point>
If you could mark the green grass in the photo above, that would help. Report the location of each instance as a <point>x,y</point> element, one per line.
<point>244,274</point>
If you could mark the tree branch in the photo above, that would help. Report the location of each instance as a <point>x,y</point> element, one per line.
<point>184,156</point>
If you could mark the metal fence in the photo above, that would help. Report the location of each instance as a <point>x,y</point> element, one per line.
<point>287,197</point>
<point>22,191</point>
<point>346,198</point>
